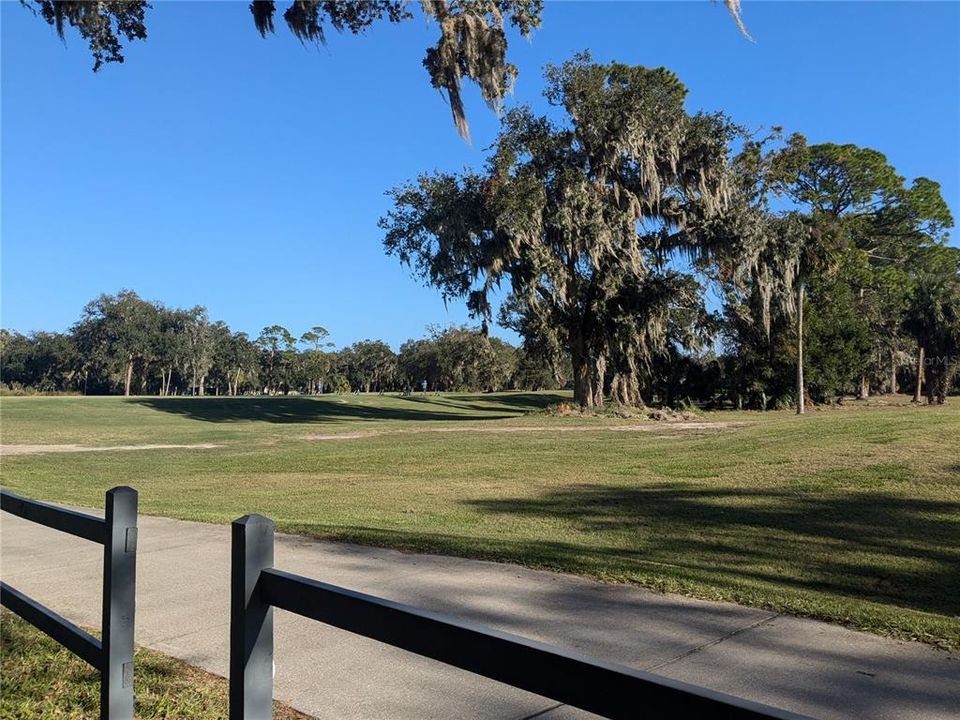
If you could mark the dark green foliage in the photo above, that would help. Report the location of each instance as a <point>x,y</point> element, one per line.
<point>460,359</point>
<point>43,361</point>
<point>844,250</point>
<point>838,340</point>
<point>758,360</point>
<point>369,365</point>
<point>102,23</point>
<point>933,318</point>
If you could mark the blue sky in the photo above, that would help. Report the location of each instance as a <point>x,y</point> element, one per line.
<point>247,175</point>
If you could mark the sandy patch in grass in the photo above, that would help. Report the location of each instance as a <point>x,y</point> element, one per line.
<point>35,449</point>
<point>342,436</point>
<point>645,427</point>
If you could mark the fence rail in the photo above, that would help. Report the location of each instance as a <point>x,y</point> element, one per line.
<point>80,524</point>
<point>80,643</point>
<point>607,689</point>
<point>117,532</point>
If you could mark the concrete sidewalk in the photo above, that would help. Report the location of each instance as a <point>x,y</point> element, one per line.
<point>183,585</point>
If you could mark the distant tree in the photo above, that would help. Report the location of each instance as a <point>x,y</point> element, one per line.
<point>276,345</point>
<point>933,318</point>
<point>53,360</point>
<point>243,360</point>
<point>45,361</point>
<point>838,337</point>
<point>170,346</point>
<point>534,372</point>
<point>15,351</point>
<point>219,374</point>
<point>852,197</point>
<point>315,336</point>
<point>199,338</point>
<point>759,362</point>
<point>419,360</point>
<point>458,358</point>
<point>499,366</point>
<point>338,383</point>
<point>469,360</point>
<point>371,364</point>
<point>316,363</point>
<point>117,334</point>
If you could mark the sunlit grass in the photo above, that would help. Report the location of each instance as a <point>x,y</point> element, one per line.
<point>849,515</point>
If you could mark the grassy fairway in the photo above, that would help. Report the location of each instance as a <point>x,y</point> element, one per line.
<point>851,515</point>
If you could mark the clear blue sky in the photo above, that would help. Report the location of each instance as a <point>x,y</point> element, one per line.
<point>247,175</point>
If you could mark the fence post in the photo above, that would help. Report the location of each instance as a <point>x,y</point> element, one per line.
<point>119,604</point>
<point>251,620</point>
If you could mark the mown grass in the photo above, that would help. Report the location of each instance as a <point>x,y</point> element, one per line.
<point>849,515</point>
<point>39,679</point>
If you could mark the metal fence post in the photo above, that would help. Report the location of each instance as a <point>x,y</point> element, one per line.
<point>119,603</point>
<point>251,620</point>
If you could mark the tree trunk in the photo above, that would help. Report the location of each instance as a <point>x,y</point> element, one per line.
<point>129,377</point>
<point>582,385</point>
<point>893,371</point>
<point>800,387</point>
<point>599,374</point>
<point>918,391</point>
<point>864,392</point>
<point>625,389</point>
<point>203,382</point>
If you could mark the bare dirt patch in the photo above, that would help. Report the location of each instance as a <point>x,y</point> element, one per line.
<point>37,449</point>
<point>658,427</point>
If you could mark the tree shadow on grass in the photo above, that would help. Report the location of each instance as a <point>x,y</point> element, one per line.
<point>299,410</point>
<point>867,545</point>
<point>520,401</point>
<point>515,402</point>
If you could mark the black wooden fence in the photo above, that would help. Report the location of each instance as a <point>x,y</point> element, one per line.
<point>607,689</point>
<point>117,532</point>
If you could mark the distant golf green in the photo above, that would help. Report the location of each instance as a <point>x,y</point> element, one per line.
<point>849,514</point>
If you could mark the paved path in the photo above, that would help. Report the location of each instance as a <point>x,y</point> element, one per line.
<point>183,567</point>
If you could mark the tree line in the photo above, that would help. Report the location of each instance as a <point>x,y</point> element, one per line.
<point>612,217</point>
<point>124,344</point>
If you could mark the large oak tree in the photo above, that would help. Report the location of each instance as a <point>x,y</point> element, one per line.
<point>579,217</point>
